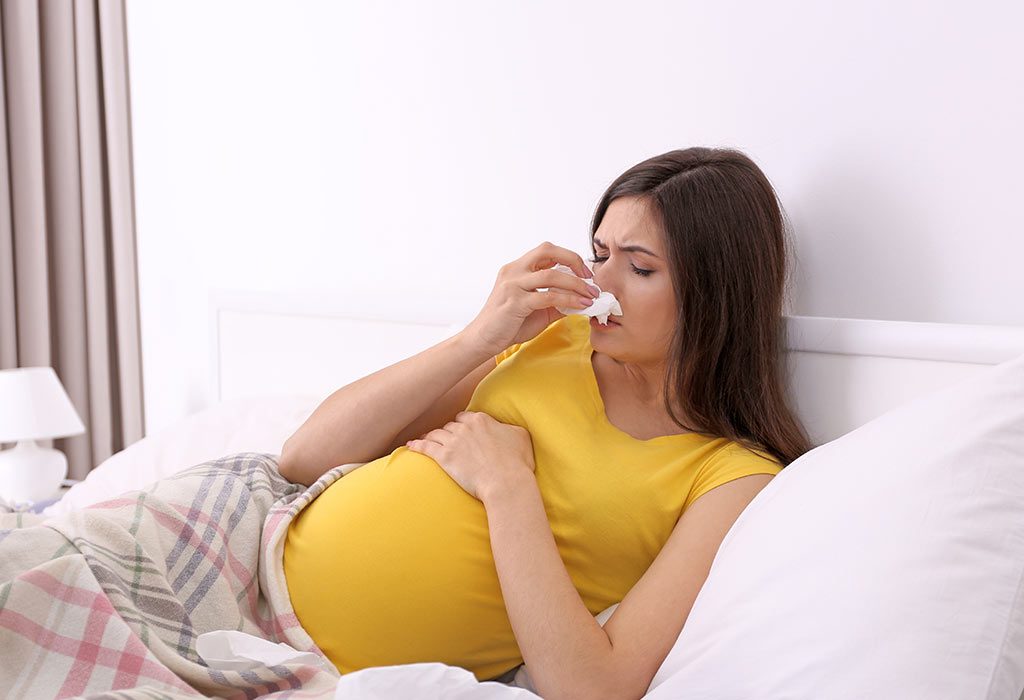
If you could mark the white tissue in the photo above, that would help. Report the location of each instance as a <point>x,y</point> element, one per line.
<point>604,305</point>
<point>231,650</point>
<point>424,681</point>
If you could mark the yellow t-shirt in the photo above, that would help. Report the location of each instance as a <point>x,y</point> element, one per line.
<point>392,563</point>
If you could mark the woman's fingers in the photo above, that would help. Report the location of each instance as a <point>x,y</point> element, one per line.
<point>509,314</point>
<point>548,254</point>
<point>551,298</point>
<point>553,279</point>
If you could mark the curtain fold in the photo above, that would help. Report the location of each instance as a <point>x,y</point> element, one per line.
<point>68,272</point>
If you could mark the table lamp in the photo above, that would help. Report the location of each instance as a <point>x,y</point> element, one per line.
<point>33,406</point>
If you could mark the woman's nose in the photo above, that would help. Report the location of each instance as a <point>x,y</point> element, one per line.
<point>604,282</point>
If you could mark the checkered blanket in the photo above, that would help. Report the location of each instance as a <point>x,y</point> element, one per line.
<point>113,597</point>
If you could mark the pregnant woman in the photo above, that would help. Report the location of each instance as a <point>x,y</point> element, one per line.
<point>539,467</point>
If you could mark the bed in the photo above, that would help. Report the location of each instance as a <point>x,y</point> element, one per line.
<point>861,387</point>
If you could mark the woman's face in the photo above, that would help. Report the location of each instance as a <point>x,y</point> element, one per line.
<point>639,280</point>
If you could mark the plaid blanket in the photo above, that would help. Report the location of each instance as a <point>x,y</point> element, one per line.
<point>112,597</point>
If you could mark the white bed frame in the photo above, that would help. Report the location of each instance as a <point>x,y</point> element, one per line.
<point>843,372</point>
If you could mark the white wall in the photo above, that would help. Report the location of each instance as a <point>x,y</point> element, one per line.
<point>409,148</point>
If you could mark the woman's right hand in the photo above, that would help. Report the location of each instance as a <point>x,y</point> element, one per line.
<point>515,311</point>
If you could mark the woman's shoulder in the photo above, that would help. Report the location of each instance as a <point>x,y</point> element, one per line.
<point>735,452</point>
<point>730,461</point>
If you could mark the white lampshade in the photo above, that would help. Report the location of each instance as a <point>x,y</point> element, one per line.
<point>34,406</point>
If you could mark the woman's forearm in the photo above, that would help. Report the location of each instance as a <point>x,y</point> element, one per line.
<point>565,649</point>
<point>360,420</point>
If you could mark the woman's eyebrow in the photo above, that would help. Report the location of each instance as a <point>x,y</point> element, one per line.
<point>628,248</point>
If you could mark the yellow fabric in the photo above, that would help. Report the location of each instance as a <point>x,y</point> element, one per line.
<point>392,563</point>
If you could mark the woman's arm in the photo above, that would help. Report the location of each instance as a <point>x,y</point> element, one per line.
<point>358,422</point>
<point>566,650</point>
<point>568,654</point>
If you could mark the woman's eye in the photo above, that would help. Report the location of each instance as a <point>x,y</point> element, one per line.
<point>643,273</point>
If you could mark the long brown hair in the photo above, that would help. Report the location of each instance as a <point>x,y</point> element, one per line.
<point>726,240</point>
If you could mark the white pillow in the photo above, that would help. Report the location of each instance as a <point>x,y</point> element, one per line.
<point>260,424</point>
<point>884,564</point>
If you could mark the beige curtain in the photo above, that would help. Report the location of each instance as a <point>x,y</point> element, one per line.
<point>68,276</point>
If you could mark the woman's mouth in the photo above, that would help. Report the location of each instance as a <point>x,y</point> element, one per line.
<point>594,323</point>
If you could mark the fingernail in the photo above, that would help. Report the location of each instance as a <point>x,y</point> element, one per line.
<point>594,290</point>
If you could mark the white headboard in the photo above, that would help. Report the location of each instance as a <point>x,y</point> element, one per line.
<point>842,372</point>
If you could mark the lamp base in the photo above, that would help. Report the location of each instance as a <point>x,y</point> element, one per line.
<point>30,473</point>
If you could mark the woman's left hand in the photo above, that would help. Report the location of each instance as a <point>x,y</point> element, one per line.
<point>482,454</point>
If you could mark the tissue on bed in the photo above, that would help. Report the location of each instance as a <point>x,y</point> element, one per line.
<point>604,305</point>
<point>232,650</point>
<point>429,680</point>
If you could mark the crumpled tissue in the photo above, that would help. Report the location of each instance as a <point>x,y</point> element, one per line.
<point>604,305</point>
<point>231,650</point>
<point>424,681</point>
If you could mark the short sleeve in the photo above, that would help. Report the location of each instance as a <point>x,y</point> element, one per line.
<point>730,462</point>
<point>506,353</point>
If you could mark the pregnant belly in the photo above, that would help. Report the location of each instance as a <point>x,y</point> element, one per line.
<point>392,564</point>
